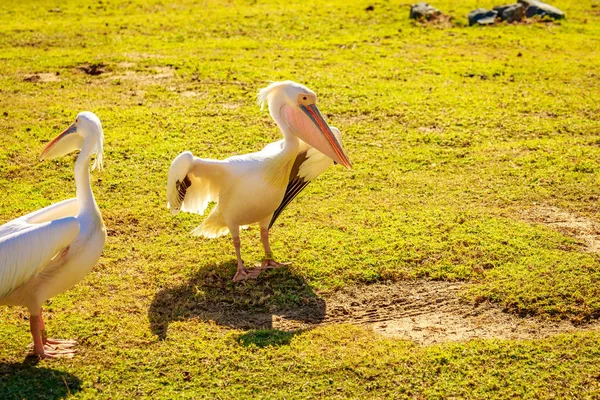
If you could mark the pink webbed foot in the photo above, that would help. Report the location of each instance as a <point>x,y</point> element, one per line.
<point>57,343</point>
<point>243,274</point>
<point>48,348</point>
<point>61,343</point>
<point>50,351</point>
<point>61,353</point>
<point>269,263</point>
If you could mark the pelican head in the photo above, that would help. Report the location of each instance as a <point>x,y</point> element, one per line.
<point>295,106</point>
<point>85,133</point>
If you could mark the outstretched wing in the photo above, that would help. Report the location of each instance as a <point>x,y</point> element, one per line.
<point>30,248</point>
<point>193,182</point>
<point>309,164</point>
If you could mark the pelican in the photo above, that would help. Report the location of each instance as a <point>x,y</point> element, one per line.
<point>48,251</point>
<point>256,187</point>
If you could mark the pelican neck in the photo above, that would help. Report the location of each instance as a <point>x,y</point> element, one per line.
<point>291,141</point>
<point>85,196</point>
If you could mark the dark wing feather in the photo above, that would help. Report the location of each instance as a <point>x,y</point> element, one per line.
<point>309,164</point>
<point>182,187</point>
<point>294,187</point>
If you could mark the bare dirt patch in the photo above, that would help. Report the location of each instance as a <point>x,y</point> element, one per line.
<point>42,77</point>
<point>579,227</point>
<point>189,93</point>
<point>126,64</point>
<point>430,312</point>
<point>164,72</point>
<point>426,312</point>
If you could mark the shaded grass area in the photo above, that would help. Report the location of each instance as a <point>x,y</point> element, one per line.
<point>28,380</point>
<point>213,297</point>
<point>334,362</point>
<point>454,134</point>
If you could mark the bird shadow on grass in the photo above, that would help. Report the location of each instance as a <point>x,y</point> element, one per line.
<point>267,337</point>
<point>253,305</point>
<point>29,381</point>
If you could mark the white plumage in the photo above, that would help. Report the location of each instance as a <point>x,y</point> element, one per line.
<point>18,237</point>
<point>250,188</point>
<point>48,251</point>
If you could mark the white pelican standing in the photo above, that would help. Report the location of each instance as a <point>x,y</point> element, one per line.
<point>48,251</point>
<point>255,187</point>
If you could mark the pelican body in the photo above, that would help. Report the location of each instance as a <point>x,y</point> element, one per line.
<point>256,187</point>
<point>50,250</point>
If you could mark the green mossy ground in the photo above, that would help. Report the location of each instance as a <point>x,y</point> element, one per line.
<point>455,135</point>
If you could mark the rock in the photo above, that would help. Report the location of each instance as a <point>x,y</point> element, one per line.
<point>535,7</point>
<point>482,16</point>
<point>423,10</point>
<point>511,12</point>
<point>500,9</point>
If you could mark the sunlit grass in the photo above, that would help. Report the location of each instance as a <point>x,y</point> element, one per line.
<point>454,134</point>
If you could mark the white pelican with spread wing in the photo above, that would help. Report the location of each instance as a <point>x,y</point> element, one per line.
<point>48,251</point>
<point>256,187</point>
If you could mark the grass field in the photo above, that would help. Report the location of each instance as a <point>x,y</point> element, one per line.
<point>458,136</point>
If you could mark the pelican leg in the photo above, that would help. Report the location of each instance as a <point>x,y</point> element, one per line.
<point>242,273</point>
<point>41,350</point>
<point>268,261</point>
<point>36,333</point>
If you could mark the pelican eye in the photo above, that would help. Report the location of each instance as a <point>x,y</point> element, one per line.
<point>77,121</point>
<point>304,98</point>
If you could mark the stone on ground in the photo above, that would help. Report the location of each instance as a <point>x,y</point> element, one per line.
<point>541,9</point>
<point>482,16</point>
<point>511,12</point>
<point>423,10</point>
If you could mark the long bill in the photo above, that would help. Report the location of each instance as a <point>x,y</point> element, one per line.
<point>334,150</point>
<point>62,144</point>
